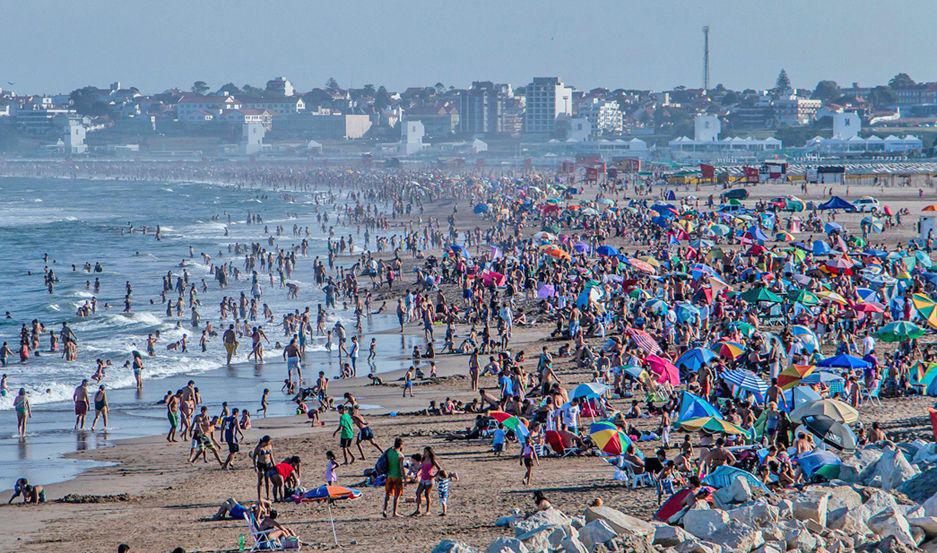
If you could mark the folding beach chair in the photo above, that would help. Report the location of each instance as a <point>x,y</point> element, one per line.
<point>259,537</point>
<point>872,395</point>
<point>624,471</point>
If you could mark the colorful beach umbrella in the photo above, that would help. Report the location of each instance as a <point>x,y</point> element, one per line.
<point>746,380</point>
<point>664,369</point>
<point>611,441</point>
<point>899,331</point>
<point>694,359</point>
<point>729,350</point>
<point>926,308</point>
<point>714,425</point>
<point>589,390</point>
<point>643,340</point>
<point>791,376</point>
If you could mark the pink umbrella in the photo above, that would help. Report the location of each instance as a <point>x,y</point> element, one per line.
<point>643,340</point>
<point>493,276</point>
<point>664,369</point>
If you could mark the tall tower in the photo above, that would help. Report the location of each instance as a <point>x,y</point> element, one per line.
<point>706,58</point>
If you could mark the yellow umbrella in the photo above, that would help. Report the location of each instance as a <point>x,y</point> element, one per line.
<point>650,260</point>
<point>926,307</point>
<point>712,424</point>
<point>832,296</point>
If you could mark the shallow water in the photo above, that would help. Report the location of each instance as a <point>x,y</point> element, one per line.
<point>78,221</point>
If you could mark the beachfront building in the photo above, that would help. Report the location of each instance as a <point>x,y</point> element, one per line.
<point>276,106</point>
<point>795,110</point>
<point>706,144</point>
<point>481,108</point>
<point>411,138</point>
<point>252,138</point>
<point>74,139</point>
<point>193,108</point>
<point>547,99</point>
<point>846,141</point>
<point>604,116</point>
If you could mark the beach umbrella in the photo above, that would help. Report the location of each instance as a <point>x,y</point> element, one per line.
<point>694,359</point>
<point>784,237</point>
<point>729,350</point>
<point>791,376</point>
<point>664,369</point>
<point>657,306</point>
<point>820,248</point>
<point>718,229</point>
<point>803,297</point>
<point>745,329</point>
<point>868,307</point>
<point>633,371</point>
<point>686,312</point>
<point>832,297</point>
<point>931,207</point>
<point>511,422</point>
<point>638,293</point>
<point>756,233</point>
<point>643,340</point>
<point>824,377</point>
<point>544,235</point>
<point>843,361</point>
<point>611,441</point>
<point>589,390</point>
<point>926,308</point>
<point>701,243</point>
<point>746,380</point>
<point>832,433</point>
<point>714,425</point>
<point>760,294</point>
<point>546,291</point>
<point>832,408</point>
<point>606,251</point>
<point>605,201</point>
<point>556,253</point>
<point>899,331</point>
<point>642,265</point>
<point>832,227</point>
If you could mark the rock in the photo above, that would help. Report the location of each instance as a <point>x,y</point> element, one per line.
<point>843,497</point>
<point>785,509</point>
<point>698,547</point>
<point>926,523</point>
<point>507,545</point>
<point>919,534</point>
<point>921,487</point>
<point>596,532</point>
<point>813,507</point>
<point>573,545</point>
<point>890,522</point>
<point>538,539</point>
<point>801,541</point>
<point>548,517</point>
<point>738,537</point>
<point>628,543</point>
<point>771,547</point>
<point>450,546</point>
<point>866,457</point>
<point>890,544</point>
<point>890,471</point>
<point>849,472</point>
<point>849,521</point>
<point>757,513</point>
<point>704,522</point>
<point>505,522</point>
<point>927,453</point>
<point>578,522</point>
<point>877,502</point>
<point>619,521</point>
<point>738,491</point>
<point>666,535</point>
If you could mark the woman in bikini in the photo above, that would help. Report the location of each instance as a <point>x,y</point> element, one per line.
<point>263,462</point>
<point>427,465</point>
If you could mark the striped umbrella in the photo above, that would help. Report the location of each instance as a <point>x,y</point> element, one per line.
<point>926,308</point>
<point>712,424</point>
<point>729,350</point>
<point>611,441</point>
<point>746,380</point>
<point>791,376</point>
<point>643,340</point>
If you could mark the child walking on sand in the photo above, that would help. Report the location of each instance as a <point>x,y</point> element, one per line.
<point>408,382</point>
<point>331,468</point>
<point>443,480</point>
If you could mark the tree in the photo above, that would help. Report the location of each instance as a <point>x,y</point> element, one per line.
<point>825,90</point>
<point>882,96</point>
<point>331,84</point>
<point>901,80</point>
<point>381,98</point>
<point>251,90</point>
<point>230,89</point>
<point>200,87</point>
<point>783,82</point>
<point>87,101</point>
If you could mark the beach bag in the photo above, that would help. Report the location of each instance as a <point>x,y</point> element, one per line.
<point>380,467</point>
<point>289,543</point>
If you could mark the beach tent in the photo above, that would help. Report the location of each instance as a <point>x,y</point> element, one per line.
<point>836,203</point>
<point>693,406</point>
<point>724,475</point>
<point>674,506</point>
<point>589,390</point>
<point>819,463</point>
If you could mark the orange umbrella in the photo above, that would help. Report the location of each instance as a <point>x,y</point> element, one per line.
<point>931,207</point>
<point>791,376</point>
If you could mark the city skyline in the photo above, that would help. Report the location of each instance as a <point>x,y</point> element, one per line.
<point>397,44</point>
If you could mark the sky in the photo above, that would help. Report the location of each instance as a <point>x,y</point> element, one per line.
<point>57,46</point>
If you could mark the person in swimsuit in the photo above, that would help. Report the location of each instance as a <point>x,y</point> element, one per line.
<point>426,473</point>
<point>100,407</point>
<point>263,462</point>
<point>365,434</point>
<point>23,412</point>
<point>172,413</point>
<point>230,343</point>
<point>137,365</point>
<point>80,397</point>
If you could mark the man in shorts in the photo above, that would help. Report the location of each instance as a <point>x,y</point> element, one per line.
<point>347,433</point>
<point>233,436</point>
<point>230,343</point>
<point>393,487</point>
<point>365,434</point>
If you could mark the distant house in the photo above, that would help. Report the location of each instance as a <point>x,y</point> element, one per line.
<point>193,108</point>
<point>276,106</point>
<point>246,115</point>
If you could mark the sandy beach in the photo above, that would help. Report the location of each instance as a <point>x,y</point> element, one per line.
<point>151,498</point>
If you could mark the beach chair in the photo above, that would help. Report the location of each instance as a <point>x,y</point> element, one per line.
<point>260,541</point>
<point>625,472</point>
<point>872,395</point>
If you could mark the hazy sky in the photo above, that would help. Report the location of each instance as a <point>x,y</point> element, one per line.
<point>56,46</point>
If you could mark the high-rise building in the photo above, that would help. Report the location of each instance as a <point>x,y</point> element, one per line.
<point>547,99</point>
<point>481,108</point>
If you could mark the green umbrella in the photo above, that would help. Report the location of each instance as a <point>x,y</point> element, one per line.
<point>760,294</point>
<point>900,331</point>
<point>804,297</point>
<point>745,329</point>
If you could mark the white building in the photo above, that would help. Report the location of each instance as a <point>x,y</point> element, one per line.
<point>706,144</point>
<point>252,137</point>
<point>193,108</point>
<point>794,110</point>
<point>846,141</point>
<point>547,99</point>
<point>74,139</point>
<point>580,130</point>
<point>281,86</point>
<point>604,116</point>
<point>411,138</point>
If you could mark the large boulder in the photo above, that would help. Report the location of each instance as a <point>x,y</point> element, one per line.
<point>927,523</point>
<point>596,532</point>
<point>926,453</point>
<point>573,545</point>
<point>739,537</point>
<point>627,543</point>
<point>507,545</point>
<point>812,506</point>
<point>698,547</point>
<point>451,546</point>
<point>757,513</point>
<point>619,521</point>
<point>702,523</point>
<point>876,502</point>
<point>890,471</point>
<point>891,522</point>
<point>849,472</point>
<point>666,535</point>
<point>738,491</point>
<point>547,517</point>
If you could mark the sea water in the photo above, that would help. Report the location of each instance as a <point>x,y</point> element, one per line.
<point>79,221</point>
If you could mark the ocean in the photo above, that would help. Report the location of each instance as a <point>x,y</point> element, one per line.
<point>86,221</point>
